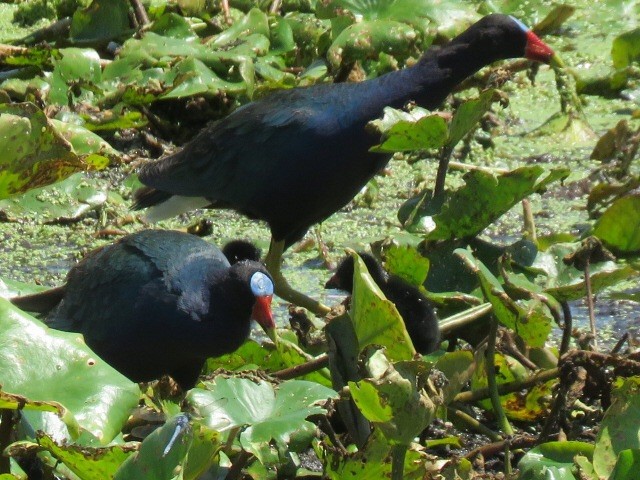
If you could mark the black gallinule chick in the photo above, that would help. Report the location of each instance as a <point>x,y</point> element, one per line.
<point>159,302</point>
<point>238,250</point>
<point>297,156</point>
<point>413,306</point>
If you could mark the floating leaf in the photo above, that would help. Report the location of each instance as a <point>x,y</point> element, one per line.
<point>32,152</point>
<point>251,354</point>
<point>619,427</point>
<point>619,225</point>
<point>100,22</point>
<point>625,49</point>
<point>67,200</point>
<point>266,415</point>
<point>408,263</point>
<point>467,116</point>
<point>168,449</point>
<point>486,197</point>
<point>553,459</point>
<point>426,133</point>
<point>89,463</point>
<point>376,319</point>
<point>45,364</point>
<point>394,399</point>
<point>367,39</point>
<point>372,461</point>
<point>530,320</point>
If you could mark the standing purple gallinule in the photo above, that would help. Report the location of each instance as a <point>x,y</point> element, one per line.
<point>159,302</point>
<point>295,157</point>
<point>414,308</point>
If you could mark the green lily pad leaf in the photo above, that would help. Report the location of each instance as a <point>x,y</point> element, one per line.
<point>266,357</point>
<point>458,367</point>
<point>44,364</point>
<point>567,129</point>
<point>426,133</point>
<point>394,399</point>
<point>266,414</point>
<point>408,263</point>
<point>9,401</point>
<point>529,320</point>
<point>173,25</point>
<point>566,283</point>
<point>486,197</point>
<point>193,77</point>
<point>371,461</point>
<point>281,37</point>
<point>554,19</point>
<point>528,406</point>
<point>33,152</point>
<point>77,67</point>
<point>553,460</point>
<point>619,225</point>
<point>89,463</point>
<point>68,200</point>
<point>450,17</point>
<point>168,449</point>
<point>92,149</point>
<point>468,115</point>
<point>366,39</point>
<point>108,120</point>
<point>619,427</point>
<point>627,465</point>
<point>253,22</point>
<point>100,22</point>
<point>376,320</point>
<point>625,49</point>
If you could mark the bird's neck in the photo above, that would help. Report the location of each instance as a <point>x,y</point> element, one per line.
<point>432,78</point>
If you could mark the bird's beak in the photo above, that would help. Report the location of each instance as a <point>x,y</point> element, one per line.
<point>262,314</point>
<point>537,50</point>
<point>333,282</point>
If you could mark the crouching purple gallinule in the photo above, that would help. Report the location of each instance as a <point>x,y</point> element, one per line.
<point>295,157</point>
<point>159,302</point>
<point>414,308</point>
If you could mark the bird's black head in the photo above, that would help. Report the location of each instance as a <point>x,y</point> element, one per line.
<point>342,278</point>
<point>497,36</point>
<point>237,250</point>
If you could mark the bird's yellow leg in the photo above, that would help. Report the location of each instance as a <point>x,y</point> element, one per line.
<point>273,261</point>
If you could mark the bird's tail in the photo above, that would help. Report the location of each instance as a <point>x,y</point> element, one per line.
<point>42,302</point>
<point>146,197</point>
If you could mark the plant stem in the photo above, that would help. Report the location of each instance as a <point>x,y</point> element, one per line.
<point>504,424</point>
<point>566,329</point>
<point>473,423</point>
<point>398,454</point>
<point>592,316</point>
<point>505,388</point>
<point>313,365</point>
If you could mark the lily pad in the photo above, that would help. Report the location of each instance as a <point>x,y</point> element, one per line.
<point>530,320</point>
<point>67,200</point>
<point>169,449</point>
<point>619,427</point>
<point>33,152</point>
<point>376,319</point>
<point>394,399</point>
<point>619,225</point>
<point>553,459</point>
<point>48,365</point>
<point>266,415</point>
<point>88,463</point>
<point>486,197</point>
